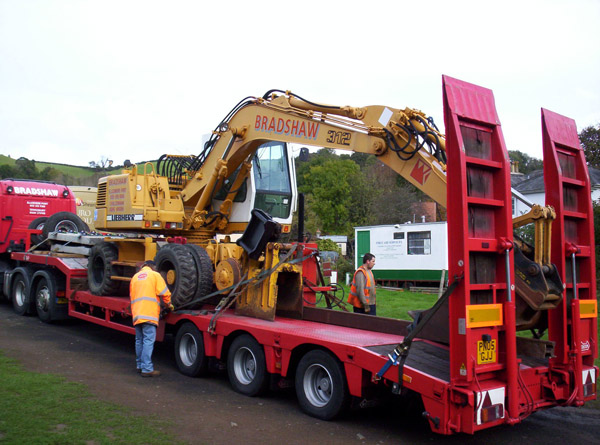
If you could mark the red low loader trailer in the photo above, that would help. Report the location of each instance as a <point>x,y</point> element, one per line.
<point>464,359</point>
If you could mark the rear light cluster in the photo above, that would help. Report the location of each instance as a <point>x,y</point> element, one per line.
<point>492,413</point>
<point>490,405</point>
<point>589,382</point>
<point>589,389</point>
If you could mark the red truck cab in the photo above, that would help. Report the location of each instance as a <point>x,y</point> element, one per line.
<point>27,204</point>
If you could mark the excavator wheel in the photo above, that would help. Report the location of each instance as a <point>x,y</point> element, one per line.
<point>227,273</point>
<point>204,270</point>
<point>176,264</point>
<point>100,269</point>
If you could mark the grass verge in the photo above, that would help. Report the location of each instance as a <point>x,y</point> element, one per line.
<point>47,409</point>
<point>392,303</point>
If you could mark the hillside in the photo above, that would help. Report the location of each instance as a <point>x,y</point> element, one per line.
<point>58,172</point>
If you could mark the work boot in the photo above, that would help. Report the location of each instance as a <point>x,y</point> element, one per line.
<point>154,373</point>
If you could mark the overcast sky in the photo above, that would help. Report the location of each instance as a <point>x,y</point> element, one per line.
<point>81,80</point>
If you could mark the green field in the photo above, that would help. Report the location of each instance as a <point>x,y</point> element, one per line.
<point>393,303</point>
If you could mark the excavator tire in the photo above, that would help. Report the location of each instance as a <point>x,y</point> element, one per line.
<point>204,270</point>
<point>100,270</point>
<point>176,264</point>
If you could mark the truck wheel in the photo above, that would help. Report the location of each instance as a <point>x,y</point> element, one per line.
<point>37,224</point>
<point>246,366</point>
<point>189,351</point>
<point>100,269</point>
<point>176,264</point>
<point>64,222</point>
<point>321,386</point>
<point>45,296</point>
<point>21,291</point>
<point>204,270</point>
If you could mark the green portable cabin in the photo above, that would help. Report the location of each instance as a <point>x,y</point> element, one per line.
<point>406,254</point>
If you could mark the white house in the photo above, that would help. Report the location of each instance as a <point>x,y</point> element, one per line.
<point>532,187</point>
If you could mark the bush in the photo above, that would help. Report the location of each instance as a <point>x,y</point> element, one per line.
<point>344,266</point>
<point>328,245</point>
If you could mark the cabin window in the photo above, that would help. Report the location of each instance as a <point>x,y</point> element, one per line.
<point>419,243</point>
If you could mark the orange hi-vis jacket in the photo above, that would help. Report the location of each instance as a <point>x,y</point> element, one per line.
<point>145,290</point>
<point>353,297</point>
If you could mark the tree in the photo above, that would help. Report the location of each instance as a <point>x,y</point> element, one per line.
<point>6,171</point>
<point>590,142</point>
<point>25,169</point>
<point>391,196</point>
<point>49,174</point>
<point>102,164</point>
<point>330,188</point>
<point>527,164</point>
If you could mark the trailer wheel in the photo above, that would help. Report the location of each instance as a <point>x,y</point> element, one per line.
<point>64,222</point>
<point>176,264</point>
<point>246,366</point>
<point>321,385</point>
<point>45,296</point>
<point>37,224</point>
<point>21,291</point>
<point>204,270</point>
<point>100,269</point>
<point>189,351</point>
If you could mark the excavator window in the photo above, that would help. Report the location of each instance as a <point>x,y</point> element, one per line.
<point>272,180</point>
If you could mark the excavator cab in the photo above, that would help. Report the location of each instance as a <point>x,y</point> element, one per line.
<point>268,187</point>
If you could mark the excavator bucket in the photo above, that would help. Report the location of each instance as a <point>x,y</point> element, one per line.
<point>274,288</point>
<point>539,288</point>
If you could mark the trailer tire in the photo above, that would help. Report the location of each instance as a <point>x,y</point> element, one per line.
<point>189,351</point>
<point>100,269</point>
<point>204,270</point>
<point>64,221</point>
<point>246,366</point>
<point>176,264</point>
<point>20,291</point>
<point>38,224</point>
<point>321,386</point>
<point>45,295</point>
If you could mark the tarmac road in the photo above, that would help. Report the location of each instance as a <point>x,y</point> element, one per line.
<point>207,410</point>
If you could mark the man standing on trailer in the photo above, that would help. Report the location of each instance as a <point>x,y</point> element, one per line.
<point>146,290</point>
<point>362,289</point>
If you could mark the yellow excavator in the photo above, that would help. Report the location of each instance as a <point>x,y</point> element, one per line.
<point>244,181</point>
